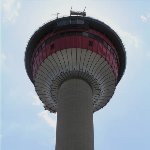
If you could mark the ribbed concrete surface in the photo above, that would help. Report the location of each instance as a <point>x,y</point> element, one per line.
<point>75,116</point>
<point>75,63</point>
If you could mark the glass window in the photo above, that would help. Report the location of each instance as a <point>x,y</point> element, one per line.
<point>85,34</point>
<point>62,22</point>
<point>105,44</point>
<point>109,48</point>
<point>79,21</point>
<point>90,43</point>
<point>52,46</point>
<point>73,21</point>
<point>43,45</point>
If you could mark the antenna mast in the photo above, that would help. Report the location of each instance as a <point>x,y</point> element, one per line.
<point>77,13</point>
<point>56,15</point>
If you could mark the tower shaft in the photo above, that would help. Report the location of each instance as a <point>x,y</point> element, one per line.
<point>75,116</point>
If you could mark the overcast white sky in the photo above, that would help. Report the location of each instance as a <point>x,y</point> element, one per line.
<point>123,124</point>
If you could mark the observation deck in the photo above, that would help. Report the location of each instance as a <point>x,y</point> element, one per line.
<point>75,47</point>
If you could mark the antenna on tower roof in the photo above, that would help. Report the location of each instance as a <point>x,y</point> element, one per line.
<point>56,15</point>
<point>77,13</point>
<point>84,9</point>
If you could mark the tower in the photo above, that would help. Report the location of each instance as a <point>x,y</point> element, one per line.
<point>75,64</point>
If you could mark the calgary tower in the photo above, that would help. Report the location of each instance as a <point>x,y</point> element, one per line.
<point>75,64</point>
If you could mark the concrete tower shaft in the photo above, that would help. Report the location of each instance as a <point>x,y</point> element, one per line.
<point>75,116</point>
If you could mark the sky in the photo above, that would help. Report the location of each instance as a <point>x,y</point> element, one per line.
<point>123,124</point>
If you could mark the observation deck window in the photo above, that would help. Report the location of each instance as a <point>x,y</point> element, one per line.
<point>70,21</point>
<point>85,34</point>
<point>79,21</point>
<point>105,44</point>
<point>63,22</point>
<point>52,46</point>
<point>90,43</point>
<point>109,48</point>
<point>73,21</point>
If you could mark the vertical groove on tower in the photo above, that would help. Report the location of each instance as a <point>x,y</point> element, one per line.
<point>75,116</point>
